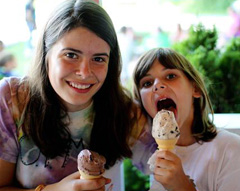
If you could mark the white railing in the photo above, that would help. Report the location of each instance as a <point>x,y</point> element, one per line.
<point>228,121</point>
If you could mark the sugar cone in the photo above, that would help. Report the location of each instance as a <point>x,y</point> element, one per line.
<point>166,144</point>
<point>88,177</point>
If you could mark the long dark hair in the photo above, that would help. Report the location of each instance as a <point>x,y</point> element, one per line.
<point>203,128</point>
<point>112,104</point>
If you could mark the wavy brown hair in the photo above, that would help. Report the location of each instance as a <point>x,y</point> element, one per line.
<point>203,128</point>
<point>112,104</point>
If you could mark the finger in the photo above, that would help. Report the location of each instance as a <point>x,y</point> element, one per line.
<point>163,176</point>
<point>163,163</point>
<point>108,180</point>
<point>94,184</point>
<point>75,175</point>
<point>161,172</point>
<point>168,155</point>
<point>99,189</point>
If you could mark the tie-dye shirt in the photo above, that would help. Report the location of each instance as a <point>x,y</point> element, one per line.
<point>32,167</point>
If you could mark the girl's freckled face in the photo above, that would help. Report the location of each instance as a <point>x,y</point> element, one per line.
<point>77,67</point>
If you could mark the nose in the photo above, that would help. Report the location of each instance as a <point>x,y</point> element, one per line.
<point>84,69</point>
<point>158,86</point>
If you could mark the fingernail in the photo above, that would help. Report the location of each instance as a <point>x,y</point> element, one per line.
<point>108,180</point>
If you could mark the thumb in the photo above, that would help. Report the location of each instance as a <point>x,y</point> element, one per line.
<point>107,180</point>
<point>75,175</point>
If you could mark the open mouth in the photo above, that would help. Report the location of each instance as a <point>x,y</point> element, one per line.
<point>167,104</point>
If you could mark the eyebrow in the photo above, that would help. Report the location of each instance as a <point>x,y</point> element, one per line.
<point>164,69</point>
<point>80,52</point>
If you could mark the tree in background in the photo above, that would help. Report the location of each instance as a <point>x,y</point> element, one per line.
<point>220,67</point>
<point>229,80</point>
<point>134,179</point>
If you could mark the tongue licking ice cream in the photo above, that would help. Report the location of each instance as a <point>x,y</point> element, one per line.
<point>90,164</point>
<point>165,130</point>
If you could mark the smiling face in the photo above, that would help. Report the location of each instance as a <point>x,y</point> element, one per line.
<point>77,67</point>
<point>164,88</point>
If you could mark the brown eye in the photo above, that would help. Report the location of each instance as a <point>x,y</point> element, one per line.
<point>171,76</point>
<point>147,84</point>
<point>71,55</point>
<point>99,59</point>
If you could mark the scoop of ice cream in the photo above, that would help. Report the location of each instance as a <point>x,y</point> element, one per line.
<point>91,163</point>
<point>165,125</point>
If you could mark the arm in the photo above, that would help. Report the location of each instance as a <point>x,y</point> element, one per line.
<point>7,170</point>
<point>169,172</point>
<point>70,183</point>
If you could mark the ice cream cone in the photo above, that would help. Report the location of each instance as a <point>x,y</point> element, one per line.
<point>90,164</point>
<point>88,177</point>
<point>165,130</point>
<point>166,144</point>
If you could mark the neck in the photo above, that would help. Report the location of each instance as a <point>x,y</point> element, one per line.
<point>186,138</point>
<point>186,141</point>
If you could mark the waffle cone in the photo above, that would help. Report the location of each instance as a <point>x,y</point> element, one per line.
<point>166,144</point>
<point>89,177</point>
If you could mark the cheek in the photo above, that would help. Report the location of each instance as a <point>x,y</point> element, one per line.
<point>146,101</point>
<point>101,74</point>
<point>58,68</point>
<point>56,72</point>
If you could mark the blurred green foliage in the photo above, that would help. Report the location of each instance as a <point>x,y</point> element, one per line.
<point>219,67</point>
<point>200,49</point>
<point>134,179</point>
<point>202,6</point>
<point>228,89</point>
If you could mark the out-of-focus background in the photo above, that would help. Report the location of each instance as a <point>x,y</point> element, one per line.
<point>207,32</point>
<point>140,24</point>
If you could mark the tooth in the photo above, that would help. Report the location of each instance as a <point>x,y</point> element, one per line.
<point>79,86</point>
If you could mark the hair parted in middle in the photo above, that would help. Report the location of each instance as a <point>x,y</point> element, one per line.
<point>112,104</point>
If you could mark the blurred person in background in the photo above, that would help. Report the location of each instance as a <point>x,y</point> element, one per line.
<point>234,13</point>
<point>8,63</point>
<point>30,19</point>
<point>180,34</point>
<point>1,46</point>
<point>126,43</point>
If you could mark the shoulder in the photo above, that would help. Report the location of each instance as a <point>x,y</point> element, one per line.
<point>225,162</point>
<point>229,137</point>
<point>227,143</point>
<point>6,88</point>
<point>10,83</point>
<point>13,85</point>
<point>140,125</point>
<point>4,83</point>
<point>14,94</point>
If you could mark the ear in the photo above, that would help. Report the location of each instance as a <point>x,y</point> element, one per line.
<point>196,91</point>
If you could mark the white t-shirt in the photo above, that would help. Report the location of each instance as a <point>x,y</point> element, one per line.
<point>213,166</point>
